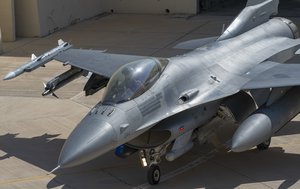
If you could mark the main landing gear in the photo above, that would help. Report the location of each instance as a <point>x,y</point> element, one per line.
<point>151,158</point>
<point>265,145</point>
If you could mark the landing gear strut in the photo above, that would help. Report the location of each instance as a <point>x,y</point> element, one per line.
<point>265,145</point>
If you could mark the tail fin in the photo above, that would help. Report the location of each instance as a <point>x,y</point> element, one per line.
<point>255,13</point>
<point>255,2</point>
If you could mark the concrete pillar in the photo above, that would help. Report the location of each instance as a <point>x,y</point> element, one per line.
<point>27,18</point>
<point>1,48</point>
<point>7,20</point>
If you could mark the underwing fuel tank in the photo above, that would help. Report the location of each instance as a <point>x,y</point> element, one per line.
<point>263,123</point>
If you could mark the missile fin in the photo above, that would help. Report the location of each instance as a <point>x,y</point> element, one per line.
<point>53,94</point>
<point>60,42</point>
<point>223,28</point>
<point>33,57</point>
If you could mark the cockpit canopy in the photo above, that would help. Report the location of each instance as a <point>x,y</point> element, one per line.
<point>133,79</point>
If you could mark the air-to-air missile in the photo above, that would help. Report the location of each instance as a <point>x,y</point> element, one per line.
<point>37,62</point>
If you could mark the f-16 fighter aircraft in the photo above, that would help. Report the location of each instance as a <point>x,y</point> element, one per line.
<point>236,83</point>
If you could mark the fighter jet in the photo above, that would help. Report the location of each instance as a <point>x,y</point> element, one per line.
<point>234,90</point>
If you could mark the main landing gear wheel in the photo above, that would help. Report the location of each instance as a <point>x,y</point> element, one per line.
<point>153,175</point>
<point>265,145</point>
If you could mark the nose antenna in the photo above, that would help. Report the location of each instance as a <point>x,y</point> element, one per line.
<point>55,169</point>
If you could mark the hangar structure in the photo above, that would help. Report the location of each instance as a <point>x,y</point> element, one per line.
<point>37,18</point>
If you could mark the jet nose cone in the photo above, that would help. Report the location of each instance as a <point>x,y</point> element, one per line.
<point>90,139</point>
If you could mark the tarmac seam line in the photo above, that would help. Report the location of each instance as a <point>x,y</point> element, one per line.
<point>182,169</point>
<point>244,175</point>
<point>26,179</point>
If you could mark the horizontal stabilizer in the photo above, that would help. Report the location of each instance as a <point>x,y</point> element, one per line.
<point>254,14</point>
<point>298,52</point>
<point>271,74</point>
<point>196,43</point>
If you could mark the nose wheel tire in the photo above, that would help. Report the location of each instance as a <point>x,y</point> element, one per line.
<point>153,175</point>
<point>265,145</point>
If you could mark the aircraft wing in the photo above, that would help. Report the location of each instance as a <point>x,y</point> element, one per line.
<point>95,61</point>
<point>272,74</point>
<point>101,64</point>
<point>268,74</point>
<point>104,64</point>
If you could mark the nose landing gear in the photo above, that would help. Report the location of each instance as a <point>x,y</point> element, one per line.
<point>151,158</point>
<point>153,175</point>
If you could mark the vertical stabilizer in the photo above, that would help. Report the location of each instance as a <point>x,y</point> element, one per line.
<point>254,2</point>
<point>254,14</point>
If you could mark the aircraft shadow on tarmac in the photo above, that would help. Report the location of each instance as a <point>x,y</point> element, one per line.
<point>229,170</point>
<point>41,151</point>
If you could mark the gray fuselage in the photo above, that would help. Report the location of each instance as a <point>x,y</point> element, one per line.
<point>195,77</point>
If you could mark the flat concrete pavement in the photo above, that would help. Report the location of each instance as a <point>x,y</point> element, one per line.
<point>33,129</point>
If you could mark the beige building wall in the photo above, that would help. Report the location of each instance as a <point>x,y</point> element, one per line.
<point>36,18</point>
<point>7,20</point>
<point>56,14</point>
<point>151,6</point>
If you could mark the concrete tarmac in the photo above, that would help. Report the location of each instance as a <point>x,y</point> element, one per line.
<point>34,128</point>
